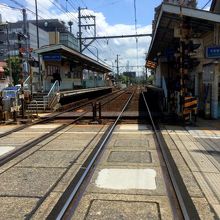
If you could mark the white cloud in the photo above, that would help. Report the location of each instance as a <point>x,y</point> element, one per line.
<point>107,49</point>
<point>207,8</point>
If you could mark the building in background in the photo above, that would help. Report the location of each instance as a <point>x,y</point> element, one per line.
<point>51,32</point>
<point>9,37</point>
<point>58,32</point>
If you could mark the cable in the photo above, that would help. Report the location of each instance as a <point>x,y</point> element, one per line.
<point>110,3</point>
<point>206,4</point>
<point>22,6</point>
<point>11,7</point>
<point>63,9</point>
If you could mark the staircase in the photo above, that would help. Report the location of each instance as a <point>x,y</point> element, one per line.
<point>44,101</point>
<point>37,104</point>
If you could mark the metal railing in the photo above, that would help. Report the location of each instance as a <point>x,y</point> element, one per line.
<point>28,83</point>
<point>51,94</point>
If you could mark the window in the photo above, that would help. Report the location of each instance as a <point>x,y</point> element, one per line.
<point>51,69</point>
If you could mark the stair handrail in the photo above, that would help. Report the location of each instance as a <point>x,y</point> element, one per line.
<point>53,91</point>
<point>27,82</point>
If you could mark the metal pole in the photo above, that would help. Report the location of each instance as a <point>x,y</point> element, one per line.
<point>9,57</point>
<point>117,65</point>
<point>25,33</point>
<point>38,42</point>
<point>36,12</point>
<point>181,63</point>
<point>80,31</point>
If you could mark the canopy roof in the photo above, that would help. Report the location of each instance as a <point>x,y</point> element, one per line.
<point>74,57</point>
<point>169,17</point>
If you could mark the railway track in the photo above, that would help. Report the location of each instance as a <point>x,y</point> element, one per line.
<point>182,207</point>
<point>19,150</point>
<point>56,115</point>
<point>180,202</point>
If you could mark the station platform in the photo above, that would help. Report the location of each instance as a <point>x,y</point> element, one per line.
<point>75,95</point>
<point>196,151</point>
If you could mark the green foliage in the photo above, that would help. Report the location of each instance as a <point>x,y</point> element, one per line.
<point>150,79</point>
<point>15,69</point>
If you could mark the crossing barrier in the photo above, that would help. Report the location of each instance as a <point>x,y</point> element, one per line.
<point>190,104</point>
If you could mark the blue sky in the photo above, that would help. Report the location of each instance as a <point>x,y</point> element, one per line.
<point>122,11</point>
<point>113,17</point>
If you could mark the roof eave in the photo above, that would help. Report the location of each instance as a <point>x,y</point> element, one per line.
<point>47,49</point>
<point>189,12</point>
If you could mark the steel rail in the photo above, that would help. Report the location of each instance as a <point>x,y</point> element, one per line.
<point>69,194</point>
<point>13,154</point>
<point>186,204</point>
<point>54,116</point>
<point>6,158</point>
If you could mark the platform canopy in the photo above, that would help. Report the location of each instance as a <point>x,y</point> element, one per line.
<point>73,56</point>
<point>168,19</point>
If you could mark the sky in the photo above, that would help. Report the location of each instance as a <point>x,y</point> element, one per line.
<point>113,17</point>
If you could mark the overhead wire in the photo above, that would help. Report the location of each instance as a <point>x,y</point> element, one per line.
<point>109,3</point>
<point>22,6</point>
<point>8,6</point>
<point>101,44</point>
<point>206,4</point>
<point>63,9</point>
<point>88,31</point>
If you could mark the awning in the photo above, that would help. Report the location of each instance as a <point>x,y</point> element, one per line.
<point>74,56</point>
<point>168,18</point>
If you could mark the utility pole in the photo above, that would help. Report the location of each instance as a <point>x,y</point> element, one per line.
<point>92,24</point>
<point>26,37</point>
<point>9,57</point>
<point>117,65</point>
<point>38,45</point>
<point>21,36</point>
<point>36,12</point>
<point>80,30</point>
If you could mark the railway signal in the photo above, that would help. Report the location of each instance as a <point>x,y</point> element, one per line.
<point>151,65</point>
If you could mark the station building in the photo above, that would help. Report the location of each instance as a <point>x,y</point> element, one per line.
<point>185,51</point>
<point>76,70</point>
<point>58,53</point>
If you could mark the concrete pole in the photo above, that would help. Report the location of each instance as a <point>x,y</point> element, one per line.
<point>38,42</point>
<point>9,57</point>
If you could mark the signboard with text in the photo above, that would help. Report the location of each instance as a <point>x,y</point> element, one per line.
<point>213,52</point>
<point>52,57</point>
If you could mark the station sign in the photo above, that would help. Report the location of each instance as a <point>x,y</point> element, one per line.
<point>213,52</point>
<point>52,57</point>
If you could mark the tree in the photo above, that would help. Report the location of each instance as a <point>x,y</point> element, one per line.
<point>150,79</point>
<point>15,69</point>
